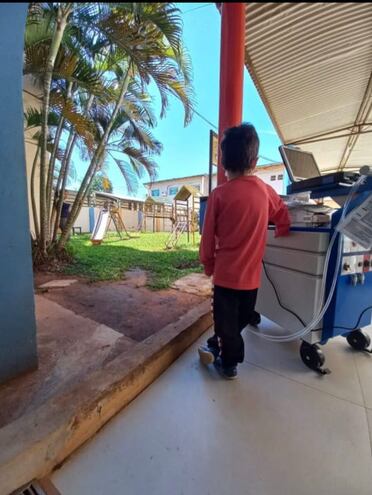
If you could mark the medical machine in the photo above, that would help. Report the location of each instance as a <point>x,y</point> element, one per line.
<point>317,282</point>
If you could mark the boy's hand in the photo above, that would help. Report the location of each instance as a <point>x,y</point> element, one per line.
<point>208,272</point>
<point>282,231</point>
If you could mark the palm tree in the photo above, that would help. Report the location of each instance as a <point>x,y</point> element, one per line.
<point>58,74</point>
<point>95,93</point>
<point>60,23</point>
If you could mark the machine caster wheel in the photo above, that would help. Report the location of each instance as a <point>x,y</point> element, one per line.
<point>359,340</point>
<point>313,357</point>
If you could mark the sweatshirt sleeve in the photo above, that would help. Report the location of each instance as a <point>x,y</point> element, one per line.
<point>208,239</point>
<point>278,213</point>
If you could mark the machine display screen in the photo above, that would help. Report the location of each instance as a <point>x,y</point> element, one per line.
<point>300,164</point>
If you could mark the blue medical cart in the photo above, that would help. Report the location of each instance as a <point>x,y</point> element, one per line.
<point>293,272</point>
<point>351,306</point>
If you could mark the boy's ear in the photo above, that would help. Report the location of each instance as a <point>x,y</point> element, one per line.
<point>255,163</point>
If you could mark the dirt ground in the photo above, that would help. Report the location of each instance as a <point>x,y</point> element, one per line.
<point>126,306</point>
<point>84,326</point>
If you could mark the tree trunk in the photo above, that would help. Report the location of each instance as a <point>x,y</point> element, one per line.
<point>93,167</point>
<point>51,168</point>
<point>52,162</point>
<point>62,16</point>
<point>32,188</point>
<point>63,176</point>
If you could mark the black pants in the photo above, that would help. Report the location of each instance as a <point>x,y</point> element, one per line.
<point>232,311</point>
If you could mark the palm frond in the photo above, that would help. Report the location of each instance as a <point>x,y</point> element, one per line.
<point>140,134</point>
<point>33,118</point>
<point>83,126</point>
<point>167,20</point>
<point>78,71</point>
<point>183,61</point>
<point>140,161</point>
<point>169,81</point>
<point>101,116</point>
<point>139,105</point>
<point>35,57</point>
<point>129,175</point>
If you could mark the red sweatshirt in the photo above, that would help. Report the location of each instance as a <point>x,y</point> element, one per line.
<point>235,230</point>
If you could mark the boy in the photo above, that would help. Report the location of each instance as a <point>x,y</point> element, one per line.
<point>233,244</point>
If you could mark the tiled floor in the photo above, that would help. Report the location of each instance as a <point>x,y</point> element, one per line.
<point>279,429</point>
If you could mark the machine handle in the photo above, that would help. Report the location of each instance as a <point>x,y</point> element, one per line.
<point>366,170</point>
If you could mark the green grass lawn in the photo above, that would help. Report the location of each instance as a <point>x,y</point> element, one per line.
<point>109,260</point>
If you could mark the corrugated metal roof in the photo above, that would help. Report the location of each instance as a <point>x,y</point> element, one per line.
<point>118,196</point>
<point>157,201</point>
<point>173,179</point>
<point>312,65</point>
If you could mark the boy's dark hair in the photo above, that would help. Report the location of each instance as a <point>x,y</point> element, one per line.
<point>240,148</point>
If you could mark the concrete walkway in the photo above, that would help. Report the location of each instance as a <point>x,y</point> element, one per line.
<point>70,348</point>
<point>279,429</point>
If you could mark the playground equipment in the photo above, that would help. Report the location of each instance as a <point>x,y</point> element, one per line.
<point>185,215</point>
<point>157,213</point>
<point>110,213</point>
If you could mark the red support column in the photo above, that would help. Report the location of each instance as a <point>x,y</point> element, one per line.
<point>231,71</point>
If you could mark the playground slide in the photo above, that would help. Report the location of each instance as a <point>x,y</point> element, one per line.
<point>101,225</point>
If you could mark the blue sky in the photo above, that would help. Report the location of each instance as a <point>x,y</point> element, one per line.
<point>186,150</point>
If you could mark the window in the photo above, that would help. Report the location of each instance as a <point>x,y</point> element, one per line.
<point>280,177</point>
<point>273,177</point>
<point>173,190</point>
<point>155,193</point>
<point>197,186</point>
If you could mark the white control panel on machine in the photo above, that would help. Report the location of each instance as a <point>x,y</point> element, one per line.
<point>355,258</point>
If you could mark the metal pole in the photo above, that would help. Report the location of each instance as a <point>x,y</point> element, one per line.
<point>210,161</point>
<point>231,71</point>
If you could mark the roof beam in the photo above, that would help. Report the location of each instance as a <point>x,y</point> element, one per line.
<point>362,115</point>
<point>354,130</point>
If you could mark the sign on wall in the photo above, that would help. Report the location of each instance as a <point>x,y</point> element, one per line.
<point>213,148</point>
<point>213,155</point>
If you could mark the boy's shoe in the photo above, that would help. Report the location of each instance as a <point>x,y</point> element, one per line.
<point>229,373</point>
<point>255,319</point>
<point>207,354</point>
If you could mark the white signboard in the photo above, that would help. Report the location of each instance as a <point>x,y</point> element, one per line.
<point>358,224</point>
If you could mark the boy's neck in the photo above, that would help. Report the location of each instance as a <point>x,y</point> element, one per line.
<point>236,175</point>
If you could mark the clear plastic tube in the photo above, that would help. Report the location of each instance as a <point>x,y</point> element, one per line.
<point>320,312</point>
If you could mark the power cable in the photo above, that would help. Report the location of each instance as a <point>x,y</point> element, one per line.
<point>270,160</point>
<point>278,298</point>
<point>205,119</point>
<point>197,8</point>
